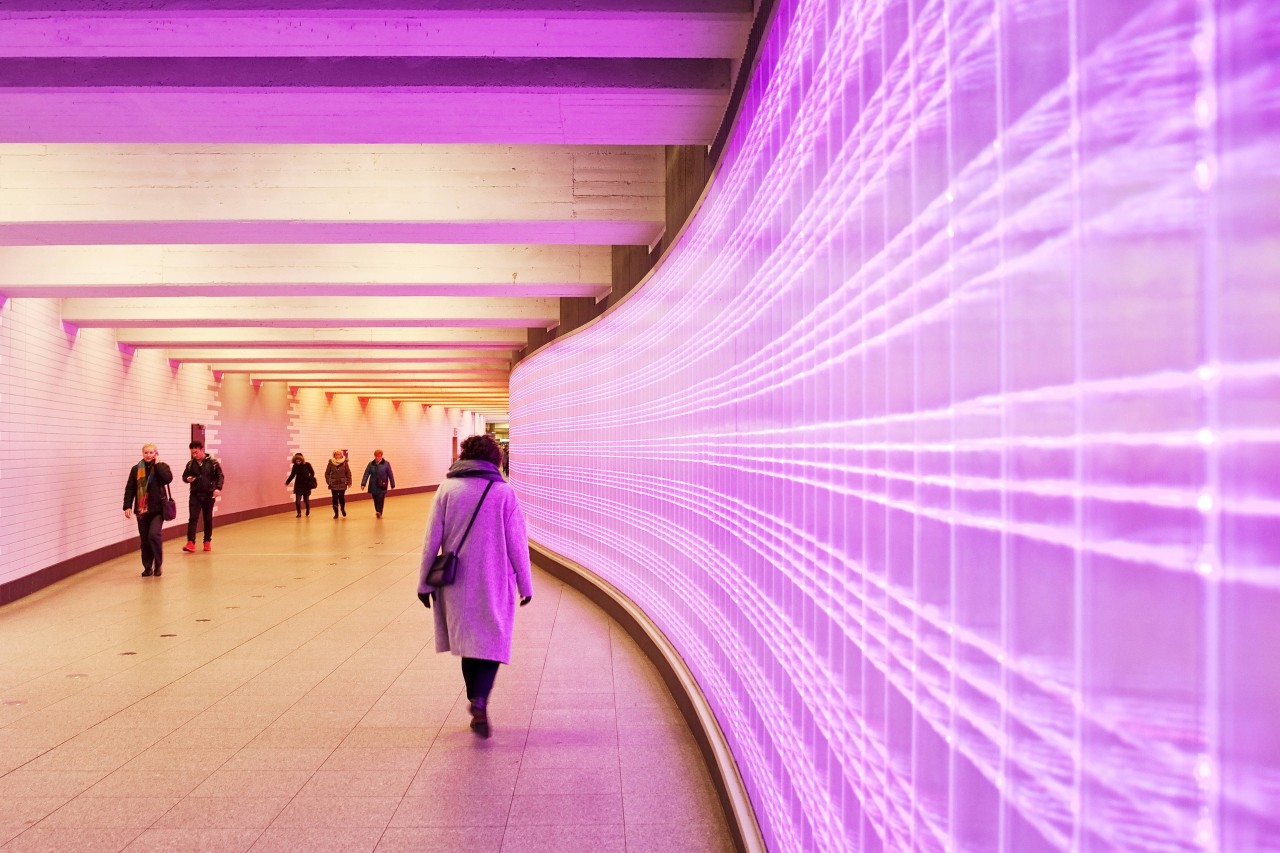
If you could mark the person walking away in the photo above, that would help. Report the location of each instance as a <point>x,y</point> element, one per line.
<point>303,477</point>
<point>379,478</point>
<point>337,476</point>
<point>475,615</point>
<point>205,476</point>
<point>144,493</point>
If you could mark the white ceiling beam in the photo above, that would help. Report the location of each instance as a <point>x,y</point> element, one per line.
<point>350,367</point>
<point>455,267</point>
<point>452,377</point>
<point>364,100</point>
<point>695,28</point>
<point>304,312</point>
<point>232,339</point>
<point>510,194</point>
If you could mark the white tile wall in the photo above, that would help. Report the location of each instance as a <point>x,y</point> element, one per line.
<point>75,411</point>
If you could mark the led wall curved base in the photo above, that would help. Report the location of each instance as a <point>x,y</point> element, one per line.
<point>943,445</point>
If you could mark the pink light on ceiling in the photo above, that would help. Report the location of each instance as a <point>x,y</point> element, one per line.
<point>943,445</point>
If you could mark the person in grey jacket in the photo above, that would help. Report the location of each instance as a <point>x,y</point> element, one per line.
<point>475,615</point>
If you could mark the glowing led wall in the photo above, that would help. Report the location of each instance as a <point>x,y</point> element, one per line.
<point>943,444</point>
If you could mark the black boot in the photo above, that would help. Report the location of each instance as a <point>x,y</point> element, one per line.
<point>480,716</point>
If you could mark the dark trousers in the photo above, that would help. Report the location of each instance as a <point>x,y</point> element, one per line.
<point>479,674</point>
<point>339,501</point>
<point>378,499</point>
<point>200,505</point>
<point>302,500</point>
<point>150,531</point>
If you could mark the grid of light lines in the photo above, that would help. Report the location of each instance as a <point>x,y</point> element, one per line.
<point>943,444</point>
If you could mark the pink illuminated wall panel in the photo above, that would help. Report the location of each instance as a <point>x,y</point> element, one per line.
<point>943,444</point>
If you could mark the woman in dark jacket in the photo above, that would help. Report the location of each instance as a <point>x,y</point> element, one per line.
<point>337,476</point>
<point>303,477</point>
<point>379,478</point>
<point>144,494</point>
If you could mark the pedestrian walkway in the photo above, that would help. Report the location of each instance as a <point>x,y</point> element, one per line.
<point>283,693</point>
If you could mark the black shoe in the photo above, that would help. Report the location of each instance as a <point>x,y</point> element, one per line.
<point>158,572</point>
<point>479,717</point>
<point>298,515</point>
<point>146,573</point>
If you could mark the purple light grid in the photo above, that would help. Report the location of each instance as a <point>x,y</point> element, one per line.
<point>943,445</point>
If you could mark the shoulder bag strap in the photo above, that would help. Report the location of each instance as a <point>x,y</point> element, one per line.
<point>473,517</point>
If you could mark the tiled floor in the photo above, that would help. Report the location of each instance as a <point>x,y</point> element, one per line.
<point>282,693</point>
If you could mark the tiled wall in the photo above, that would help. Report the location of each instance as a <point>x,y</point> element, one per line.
<point>944,444</point>
<point>75,411</point>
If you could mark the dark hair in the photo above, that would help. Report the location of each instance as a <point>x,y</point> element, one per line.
<point>483,447</point>
<point>196,444</point>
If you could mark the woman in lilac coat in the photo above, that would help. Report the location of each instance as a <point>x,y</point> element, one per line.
<point>475,615</point>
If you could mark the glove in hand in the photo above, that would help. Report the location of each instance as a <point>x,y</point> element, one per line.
<point>526,600</point>
<point>425,598</point>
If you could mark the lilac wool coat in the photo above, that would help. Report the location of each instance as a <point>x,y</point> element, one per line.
<point>475,616</point>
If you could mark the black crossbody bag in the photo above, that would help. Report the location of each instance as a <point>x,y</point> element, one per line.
<point>444,569</point>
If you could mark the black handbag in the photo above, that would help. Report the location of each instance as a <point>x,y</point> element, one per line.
<point>444,568</point>
<point>169,507</point>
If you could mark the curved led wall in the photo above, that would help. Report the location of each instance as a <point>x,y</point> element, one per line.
<point>943,444</point>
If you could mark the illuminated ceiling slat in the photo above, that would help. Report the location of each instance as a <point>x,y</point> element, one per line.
<point>325,338</point>
<point>469,194</point>
<point>359,101</point>
<point>483,266</point>
<point>306,312</point>
<point>682,28</point>
<point>356,368</point>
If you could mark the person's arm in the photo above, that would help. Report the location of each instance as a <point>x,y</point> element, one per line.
<point>430,547</point>
<point>517,537</point>
<point>130,492</point>
<point>368,472</point>
<point>218,478</point>
<point>292,472</point>
<point>163,473</point>
<point>391,477</point>
<point>190,472</point>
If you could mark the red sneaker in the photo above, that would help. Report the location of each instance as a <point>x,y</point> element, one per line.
<point>208,546</point>
<point>190,547</point>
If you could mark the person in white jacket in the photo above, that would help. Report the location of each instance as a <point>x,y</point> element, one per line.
<point>475,615</point>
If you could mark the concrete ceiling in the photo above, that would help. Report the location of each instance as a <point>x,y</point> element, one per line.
<point>377,198</point>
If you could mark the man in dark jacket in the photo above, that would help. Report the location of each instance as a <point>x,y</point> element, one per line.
<point>144,493</point>
<point>205,476</point>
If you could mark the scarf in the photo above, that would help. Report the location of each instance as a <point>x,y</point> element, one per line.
<point>143,478</point>
<point>477,468</point>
